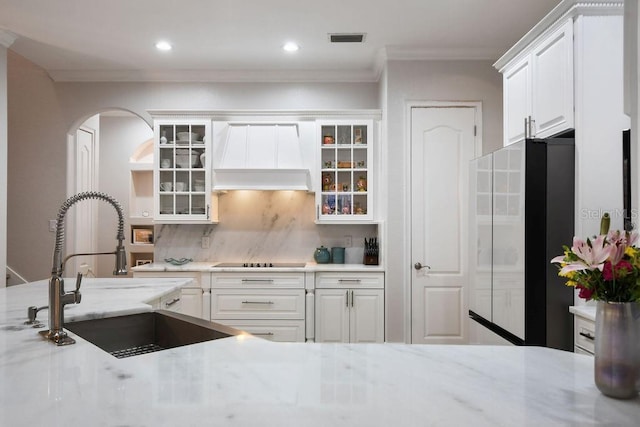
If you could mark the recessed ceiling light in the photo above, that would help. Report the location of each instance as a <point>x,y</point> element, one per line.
<point>291,47</point>
<point>162,45</point>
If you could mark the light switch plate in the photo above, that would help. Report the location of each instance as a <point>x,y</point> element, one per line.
<point>52,225</point>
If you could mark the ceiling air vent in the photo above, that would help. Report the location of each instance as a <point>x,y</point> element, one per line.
<point>346,37</point>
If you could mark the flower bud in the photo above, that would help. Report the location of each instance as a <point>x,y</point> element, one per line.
<point>605,222</point>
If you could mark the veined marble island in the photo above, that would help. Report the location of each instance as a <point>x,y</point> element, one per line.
<point>247,381</point>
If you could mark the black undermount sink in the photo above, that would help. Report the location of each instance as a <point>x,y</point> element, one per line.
<point>135,334</point>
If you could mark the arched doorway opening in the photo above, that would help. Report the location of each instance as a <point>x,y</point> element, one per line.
<point>99,150</point>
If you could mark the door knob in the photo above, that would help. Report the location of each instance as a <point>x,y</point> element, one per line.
<point>418,266</point>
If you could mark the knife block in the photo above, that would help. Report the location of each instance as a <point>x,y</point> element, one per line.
<point>370,260</point>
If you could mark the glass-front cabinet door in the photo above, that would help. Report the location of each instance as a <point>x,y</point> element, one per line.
<point>182,178</point>
<point>346,175</point>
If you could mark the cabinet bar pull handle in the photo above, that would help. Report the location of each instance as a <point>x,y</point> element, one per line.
<point>347,295</point>
<point>351,298</point>
<point>269,334</point>
<point>588,336</point>
<point>257,280</point>
<point>257,302</point>
<point>349,280</point>
<point>170,303</point>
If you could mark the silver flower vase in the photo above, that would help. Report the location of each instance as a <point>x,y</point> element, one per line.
<point>617,349</point>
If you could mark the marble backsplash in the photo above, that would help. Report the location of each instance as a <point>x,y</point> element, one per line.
<point>259,226</point>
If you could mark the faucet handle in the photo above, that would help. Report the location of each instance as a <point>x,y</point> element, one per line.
<point>78,281</point>
<point>77,296</point>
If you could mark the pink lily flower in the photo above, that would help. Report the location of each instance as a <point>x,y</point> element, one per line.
<point>619,243</point>
<point>591,256</point>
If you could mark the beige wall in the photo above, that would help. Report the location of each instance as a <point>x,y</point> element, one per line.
<point>37,167</point>
<point>3,163</point>
<point>424,81</point>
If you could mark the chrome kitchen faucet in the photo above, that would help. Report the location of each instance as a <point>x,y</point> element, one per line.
<point>58,298</point>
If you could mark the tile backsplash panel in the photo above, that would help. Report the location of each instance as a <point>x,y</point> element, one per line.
<point>259,226</point>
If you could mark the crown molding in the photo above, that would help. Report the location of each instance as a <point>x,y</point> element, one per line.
<point>567,9</point>
<point>7,38</point>
<point>404,53</point>
<point>223,76</point>
<point>362,75</point>
<point>374,114</point>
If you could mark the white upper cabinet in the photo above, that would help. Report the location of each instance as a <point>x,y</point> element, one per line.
<point>346,181</point>
<point>538,88</point>
<point>552,88</point>
<point>182,172</point>
<point>517,99</point>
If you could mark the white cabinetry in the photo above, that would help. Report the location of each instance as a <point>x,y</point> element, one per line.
<point>346,181</point>
<point>516,99</point>
<point>269,305</point>
<point>349,307</point>
<point>170,302</point>
<point>193,299</point>
<point>538,86</point>
<point>584,331</point>
<point>586,96</point>
<point>182,172</point>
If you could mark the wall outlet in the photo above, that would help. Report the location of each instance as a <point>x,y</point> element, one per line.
<point>348,241</point>
<point>52,225</point>
<point>205,242</point>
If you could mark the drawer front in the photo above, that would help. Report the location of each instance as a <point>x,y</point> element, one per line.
<point>349,280</point>
<point>585,334</point>
<point>272,330</point>
<point>257,280</point>
<point>171,302</point>
<point>580,350</point>
<point>257,304</point>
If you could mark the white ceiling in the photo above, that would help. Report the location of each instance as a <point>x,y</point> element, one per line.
<point>228,40</point>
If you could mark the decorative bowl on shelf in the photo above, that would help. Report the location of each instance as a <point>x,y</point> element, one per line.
<point>187,136</point>
<point>186,159</point>
<point>181,261</point>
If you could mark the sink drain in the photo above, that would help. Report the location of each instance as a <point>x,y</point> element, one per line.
<point>136,351</point>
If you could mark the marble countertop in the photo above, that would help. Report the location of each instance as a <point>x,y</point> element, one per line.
<point>247,381</point>
<point>586,311</point>
<point>215,267</point>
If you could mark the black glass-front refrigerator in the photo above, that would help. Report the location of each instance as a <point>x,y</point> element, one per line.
<point>521,213</point>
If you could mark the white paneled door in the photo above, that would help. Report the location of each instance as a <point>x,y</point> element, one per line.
<point>85,213</point>
<point>442,144</point>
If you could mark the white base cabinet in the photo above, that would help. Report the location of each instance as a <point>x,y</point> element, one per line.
<point>349,307</point>
<point>272,330</point>
<point>268,305</point>
<point>193,300</point>
<point>584,337</point>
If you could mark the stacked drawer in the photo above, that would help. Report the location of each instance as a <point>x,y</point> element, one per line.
<point>268,305</point>
<point>584,337</point>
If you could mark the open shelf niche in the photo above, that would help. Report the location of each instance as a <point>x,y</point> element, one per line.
<point>141,230</point>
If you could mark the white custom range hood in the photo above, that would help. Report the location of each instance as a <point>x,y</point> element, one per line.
<point>260,156</point>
